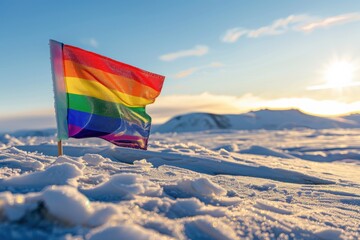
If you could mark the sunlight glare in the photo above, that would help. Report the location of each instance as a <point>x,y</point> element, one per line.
<point>339,74</point>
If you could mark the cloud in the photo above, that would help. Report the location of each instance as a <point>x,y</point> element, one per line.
<point>279,26</point>
<point>331,21</point>
<point>198,50</point>
<point>169,106</point>
<point>303,23</point>
<point>232,35</point>
<point>190,71</point>
<point>91,42</point>
<point>186,73</point>
<point>333,86</point>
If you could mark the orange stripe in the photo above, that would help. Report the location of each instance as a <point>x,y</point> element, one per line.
<point>112,81</point>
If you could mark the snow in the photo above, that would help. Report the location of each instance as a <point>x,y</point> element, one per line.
<point>93,159</point>
<point>263,119</point>
<point>217,184</point>
<point>125,232</point>
<point>64,159</point>
<point>200,187</point>
<point>59,174</point>
<point>121,186</point>
<point>77,210</point>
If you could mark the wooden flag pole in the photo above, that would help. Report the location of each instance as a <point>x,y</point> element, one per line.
<point>60,148</point>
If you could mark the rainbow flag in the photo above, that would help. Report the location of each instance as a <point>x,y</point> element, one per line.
<point>96,96</point>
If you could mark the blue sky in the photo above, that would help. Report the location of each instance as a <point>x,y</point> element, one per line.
<point>218,56</point>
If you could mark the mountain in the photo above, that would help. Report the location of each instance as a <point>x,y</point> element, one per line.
<point>31,132</point>
<point>10,137</point>
<point>262,119</point>
<point>353,117</point>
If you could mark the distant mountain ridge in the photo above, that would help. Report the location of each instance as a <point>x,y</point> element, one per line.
<point>262,119</point>
<point>353,117</point>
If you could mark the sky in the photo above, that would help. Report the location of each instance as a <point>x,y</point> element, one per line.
<point>217,56</point>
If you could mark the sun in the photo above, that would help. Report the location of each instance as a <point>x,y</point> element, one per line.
<point>339,74</point>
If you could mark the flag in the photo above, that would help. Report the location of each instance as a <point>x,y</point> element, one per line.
<point>96,96</point>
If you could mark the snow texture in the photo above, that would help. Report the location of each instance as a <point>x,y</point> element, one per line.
<point>218,184</point>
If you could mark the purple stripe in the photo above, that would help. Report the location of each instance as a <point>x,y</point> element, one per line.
<point>73,130</point>
<point>115,138</point>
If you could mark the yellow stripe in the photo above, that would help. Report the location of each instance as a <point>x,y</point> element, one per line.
<point>97,90</point>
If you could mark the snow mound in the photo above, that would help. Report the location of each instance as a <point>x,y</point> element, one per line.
<point>102,214</point>
<point>75,208</point>
<point>278,208</point>
<point>209,228</point>
<point>189,207</point>
<point>65,159</point>
<point>13,207</point>
<point>23,164</point>
<point>143,164</point>
<point>123,186</point>
<point>62,174</point>
<point>229,147</point>
<point>93,159</point>
<point>124,231</point>
<point>259,150</point>
<point>329,234</point>
<point>197,187</point>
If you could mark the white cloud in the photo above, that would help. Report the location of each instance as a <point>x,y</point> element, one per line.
<point>91,42</point>
<point>279,26</point>
<point>186,73</point>
<point>304,23</point>
<point>333,86</point>
<point>169,106</point>
<point>198,50</point>
<point>190,71</point>
<point>232,35</point>
<point>331,21</point>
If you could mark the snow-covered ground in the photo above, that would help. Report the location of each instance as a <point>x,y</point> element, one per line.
<point>220,184</point>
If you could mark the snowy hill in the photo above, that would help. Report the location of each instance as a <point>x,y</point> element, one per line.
<point>263,119</point>
<point>353,117</point>
<point>33,133</point>
<point>12,137</point>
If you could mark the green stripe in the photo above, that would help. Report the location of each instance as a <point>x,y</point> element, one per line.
<point>105,108</point>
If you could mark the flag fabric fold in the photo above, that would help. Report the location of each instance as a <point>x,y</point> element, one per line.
<point>96,96</point>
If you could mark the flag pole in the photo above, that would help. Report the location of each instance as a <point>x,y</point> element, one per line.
<point>60,148</point>
<point>60,95</point>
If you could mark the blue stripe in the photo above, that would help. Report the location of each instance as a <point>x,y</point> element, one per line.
<point>106,125</point>
<point>84,133</point>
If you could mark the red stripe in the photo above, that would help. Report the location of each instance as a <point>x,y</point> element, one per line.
<point>94,60</point>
